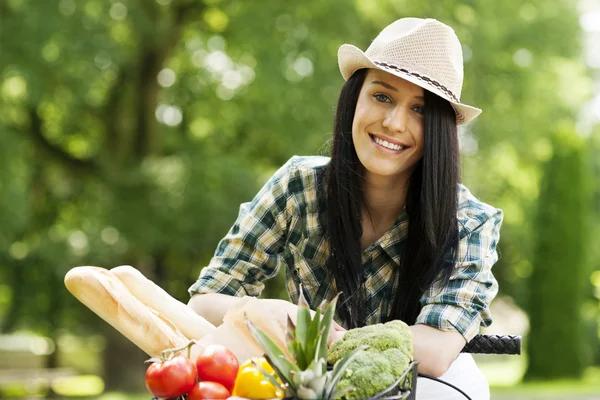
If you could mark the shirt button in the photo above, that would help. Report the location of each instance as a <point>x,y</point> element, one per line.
<point>296,273</point>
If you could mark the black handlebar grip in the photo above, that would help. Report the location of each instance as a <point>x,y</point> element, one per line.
<point>494,344</point>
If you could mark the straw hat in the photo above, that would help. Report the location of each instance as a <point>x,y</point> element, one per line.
<point>425,52</point>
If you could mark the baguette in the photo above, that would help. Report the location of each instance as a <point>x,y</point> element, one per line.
<point>191,324</point>
<point>104,294</point>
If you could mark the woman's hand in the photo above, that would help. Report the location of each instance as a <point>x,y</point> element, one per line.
<point>336,335</point>
<point>281,309</point>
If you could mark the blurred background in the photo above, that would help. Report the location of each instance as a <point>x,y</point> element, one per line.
<point>131,130</point>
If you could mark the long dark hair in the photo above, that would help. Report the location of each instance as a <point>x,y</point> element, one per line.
<point>431,205</point>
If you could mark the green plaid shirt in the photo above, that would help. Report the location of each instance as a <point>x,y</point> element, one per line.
<point>282,227</point>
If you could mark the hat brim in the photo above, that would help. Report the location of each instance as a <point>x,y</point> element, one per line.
<point>351,59</point>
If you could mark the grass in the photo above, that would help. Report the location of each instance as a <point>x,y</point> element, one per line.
<point>505,383</point>
<point>589,385</point>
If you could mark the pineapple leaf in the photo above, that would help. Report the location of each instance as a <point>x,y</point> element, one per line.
<point>302,325</point>
<point>291,345</point>
<point>275,355</point>
<point>291,327</point>
<point>290,336</point>
<point>312,338</point>
<point>281,366</point>
<point>340,367</point>
<point>268,376</point>
<point>317,356</point>
<point>326,324</point>
<point>301,359</point>
<point>325,304</point>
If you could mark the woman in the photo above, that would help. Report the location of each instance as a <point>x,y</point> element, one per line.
<point>384,220</point>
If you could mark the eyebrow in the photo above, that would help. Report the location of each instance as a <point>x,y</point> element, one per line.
<point>390,87</point>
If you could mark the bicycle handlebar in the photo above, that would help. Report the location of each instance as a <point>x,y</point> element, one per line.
<point>494,344</point>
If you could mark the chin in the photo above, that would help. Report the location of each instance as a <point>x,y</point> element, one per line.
<point>382,170</point>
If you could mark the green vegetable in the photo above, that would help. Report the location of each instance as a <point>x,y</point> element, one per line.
<point>380,365</point>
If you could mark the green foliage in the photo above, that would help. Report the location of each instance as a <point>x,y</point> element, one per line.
<point>557,344</point>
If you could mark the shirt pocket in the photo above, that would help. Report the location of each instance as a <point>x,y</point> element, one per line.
<point>306,266</point>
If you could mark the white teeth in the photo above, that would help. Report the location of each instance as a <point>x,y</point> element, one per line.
<point>385,144</point>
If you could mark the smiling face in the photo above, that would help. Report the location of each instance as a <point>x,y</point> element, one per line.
<point>387,129</point>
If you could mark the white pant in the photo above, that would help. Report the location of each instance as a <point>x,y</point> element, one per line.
<point>464,374</point>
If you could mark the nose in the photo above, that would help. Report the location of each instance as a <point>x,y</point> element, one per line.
<point>396,119</point>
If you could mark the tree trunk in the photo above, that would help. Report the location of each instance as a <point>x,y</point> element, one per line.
<point>124,366</point>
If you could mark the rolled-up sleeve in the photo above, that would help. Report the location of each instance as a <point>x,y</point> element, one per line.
<point>250,252</point>
<point>462,304</point>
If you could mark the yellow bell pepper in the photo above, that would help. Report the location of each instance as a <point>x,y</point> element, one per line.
<point>252,384</point>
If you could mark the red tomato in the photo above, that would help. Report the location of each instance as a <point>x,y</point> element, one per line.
<point>208,391</point>
<point>217,363</point>
<point>171,378</point>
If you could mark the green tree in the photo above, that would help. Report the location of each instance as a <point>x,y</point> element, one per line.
<point>558,346</point>
<point>132,129</point>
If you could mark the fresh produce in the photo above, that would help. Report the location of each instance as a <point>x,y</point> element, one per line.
<point>251,383</point>
<point>305,374</point>
<point>171,378</point>
<point>176,377</point>
<point>208,391</point>
<point>389,353</point>
<point>372,372</point>
<point>216,363</point>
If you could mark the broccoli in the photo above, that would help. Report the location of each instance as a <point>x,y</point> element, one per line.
<point>375,369</point>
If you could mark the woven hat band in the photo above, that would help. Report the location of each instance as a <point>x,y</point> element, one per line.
<point>425,79</point>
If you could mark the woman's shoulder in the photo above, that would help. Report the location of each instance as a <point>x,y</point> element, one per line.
<point>309,163</point>
<point>472,212</point>
<point>305,171</point>
<point>300,167</point>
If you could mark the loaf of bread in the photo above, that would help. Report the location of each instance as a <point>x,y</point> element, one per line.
<point>104,294</point>
<point>154,321</point>
<point>191,324</point>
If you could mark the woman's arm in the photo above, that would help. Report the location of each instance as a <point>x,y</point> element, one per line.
<point>434,349</point>
<point>453,311</point>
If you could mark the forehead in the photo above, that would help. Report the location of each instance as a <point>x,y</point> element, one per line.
<point>393,80</point>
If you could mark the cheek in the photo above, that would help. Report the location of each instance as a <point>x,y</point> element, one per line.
<point>418,134</point>
<point>358,123</point>
<point>362,116</point>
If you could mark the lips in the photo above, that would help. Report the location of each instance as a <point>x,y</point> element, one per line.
<point>388,145</point>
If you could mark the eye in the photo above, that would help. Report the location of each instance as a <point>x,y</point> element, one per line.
<point>382,98</point>
<point>419,109</point>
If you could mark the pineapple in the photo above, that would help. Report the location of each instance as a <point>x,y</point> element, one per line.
<point>305,374</point>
